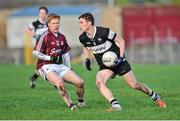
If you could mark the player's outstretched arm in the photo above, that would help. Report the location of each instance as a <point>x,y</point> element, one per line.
<point>41,56</point>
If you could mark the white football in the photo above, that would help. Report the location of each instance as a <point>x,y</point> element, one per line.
<point>109,58</point>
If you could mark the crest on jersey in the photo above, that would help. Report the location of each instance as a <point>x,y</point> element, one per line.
<point>99,39</point>
<point>57,43</point>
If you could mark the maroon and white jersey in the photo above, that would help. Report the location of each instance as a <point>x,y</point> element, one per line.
<point>50,44</point>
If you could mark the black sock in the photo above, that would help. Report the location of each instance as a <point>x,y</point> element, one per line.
<point>80,100</point>
<point>72,104</point>
<point>114,101</point>
<point>153,96</point>
<point>35,75</point>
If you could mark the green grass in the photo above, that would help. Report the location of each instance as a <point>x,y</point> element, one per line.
<point>18,101</point>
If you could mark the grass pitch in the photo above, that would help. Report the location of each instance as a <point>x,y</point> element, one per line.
<point>18,101</point>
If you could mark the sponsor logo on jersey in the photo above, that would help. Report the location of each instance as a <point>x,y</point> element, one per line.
<point>88,43</point>
<point>53,51</point>
<point>40,26</point>
<point>100,48</point>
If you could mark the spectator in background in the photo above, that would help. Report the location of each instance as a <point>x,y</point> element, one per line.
<point>35,29</point>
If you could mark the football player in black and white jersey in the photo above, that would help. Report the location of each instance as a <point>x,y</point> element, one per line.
<point>99,40</point>
<point>35,29</point>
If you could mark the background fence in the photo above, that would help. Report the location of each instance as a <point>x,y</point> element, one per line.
<point>151,33</point>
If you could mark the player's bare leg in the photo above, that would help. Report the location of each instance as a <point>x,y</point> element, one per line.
<point>74,79</point>
<point>54,79</point>
<point>131,80</point>
<point>101,78</point>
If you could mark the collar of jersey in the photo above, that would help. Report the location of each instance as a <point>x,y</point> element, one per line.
<point>95,29</point>
<point>54,34</point>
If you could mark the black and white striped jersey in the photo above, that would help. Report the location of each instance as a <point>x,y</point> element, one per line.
<point>102,41</point>
<point>38,27</point>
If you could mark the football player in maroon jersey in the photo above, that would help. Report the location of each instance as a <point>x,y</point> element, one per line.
<point>53,63</point>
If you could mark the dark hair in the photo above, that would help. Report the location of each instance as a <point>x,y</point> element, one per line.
<point>52,16</point>
<point>88,17</point>
<point>44,8</point>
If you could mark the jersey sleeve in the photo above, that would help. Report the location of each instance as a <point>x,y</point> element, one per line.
<point>32,26</point>
<point>41,56</point>
<point>111,35</point>
<point>41,44</point>
<point>106,33</point>
<point>82,39</point>
<point>40,48</point>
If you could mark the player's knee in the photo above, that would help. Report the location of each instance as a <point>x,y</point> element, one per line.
<point>80,84</point>
<point>60,86</point>
<point>63,91</point>
<point>135,85</point>
<point>99,84</point>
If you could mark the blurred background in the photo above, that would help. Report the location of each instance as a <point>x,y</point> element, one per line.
<point>151,28</point>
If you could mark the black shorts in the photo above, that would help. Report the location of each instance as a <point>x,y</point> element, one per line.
<point>120,69</point>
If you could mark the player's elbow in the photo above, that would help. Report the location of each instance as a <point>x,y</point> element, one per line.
<point>35,53</point>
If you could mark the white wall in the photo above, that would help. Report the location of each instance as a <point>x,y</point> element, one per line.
<point>16,27</point>
<point>15,31</point>
<point>69,26</point>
